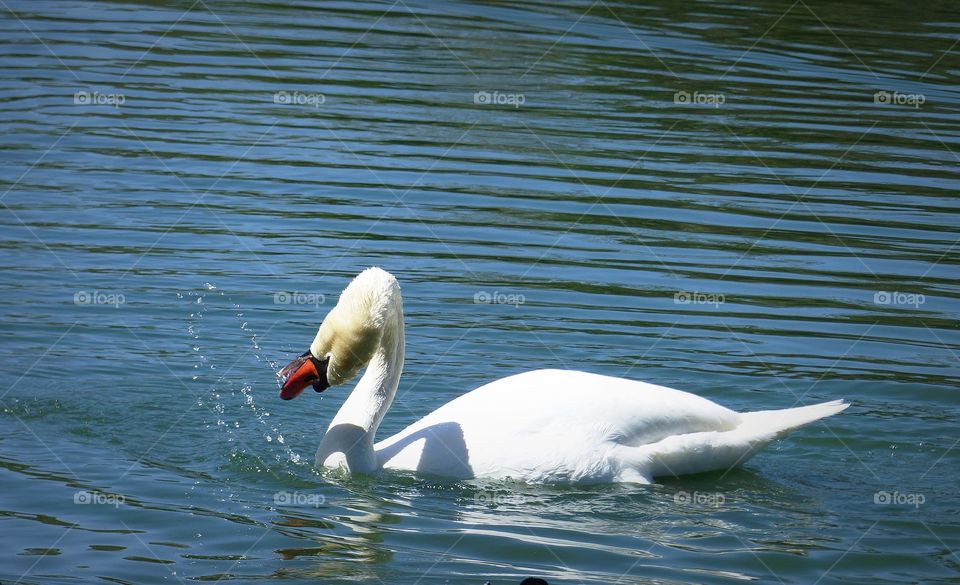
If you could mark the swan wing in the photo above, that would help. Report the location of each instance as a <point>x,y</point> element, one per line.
<point>549,425</point>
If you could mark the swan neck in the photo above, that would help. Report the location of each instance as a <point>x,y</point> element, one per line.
<point>353,429</point>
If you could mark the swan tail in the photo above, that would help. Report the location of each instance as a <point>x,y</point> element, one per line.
<point>779,423</point>
<point>720,450</point>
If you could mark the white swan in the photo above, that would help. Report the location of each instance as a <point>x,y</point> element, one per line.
<point>541,426</point>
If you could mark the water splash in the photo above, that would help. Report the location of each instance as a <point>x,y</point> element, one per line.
<point>232,401</point>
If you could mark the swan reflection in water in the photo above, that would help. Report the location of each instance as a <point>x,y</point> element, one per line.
<point>504,531</point>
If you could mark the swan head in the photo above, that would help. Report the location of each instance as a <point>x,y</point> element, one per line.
<point>348,337</point>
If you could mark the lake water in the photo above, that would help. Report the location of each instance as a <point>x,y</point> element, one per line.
<point>754,203</point>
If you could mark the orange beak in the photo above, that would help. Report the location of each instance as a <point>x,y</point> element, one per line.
<point>302,372</point>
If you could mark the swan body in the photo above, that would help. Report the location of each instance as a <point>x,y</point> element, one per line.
<point>556,426</point>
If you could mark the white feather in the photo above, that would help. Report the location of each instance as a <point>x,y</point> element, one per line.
<point>554,426</point>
